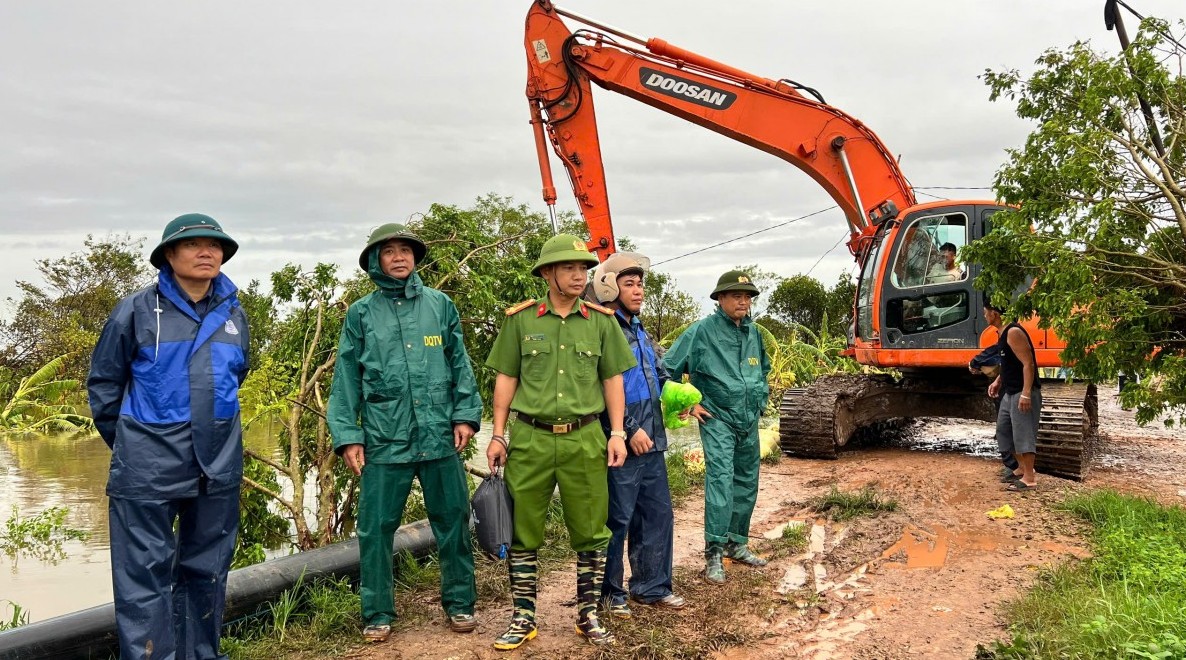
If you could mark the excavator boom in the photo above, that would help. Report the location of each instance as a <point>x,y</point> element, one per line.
<point>835,149</point>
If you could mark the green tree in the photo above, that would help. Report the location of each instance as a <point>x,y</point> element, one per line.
<point>841,297</point>
<point>482,258</point>
<point>799,299</point>
<point>1101,215</point>
<point>65,315</point>
<point>291,384</point>
<point>665,306</point>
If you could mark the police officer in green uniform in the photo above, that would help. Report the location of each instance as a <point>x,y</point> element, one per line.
<point>726,360</point>
<point>559,362</point>
<point>404,403</point>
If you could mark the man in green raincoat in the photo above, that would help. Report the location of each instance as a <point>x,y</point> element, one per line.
<point>726,360</point>
<point>404,404</point>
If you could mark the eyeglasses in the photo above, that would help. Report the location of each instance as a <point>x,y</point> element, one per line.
<point>186,228</point>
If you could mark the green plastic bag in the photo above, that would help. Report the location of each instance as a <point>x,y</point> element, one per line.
<point>676,398</point>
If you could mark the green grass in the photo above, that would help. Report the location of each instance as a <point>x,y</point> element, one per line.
<point>316,619</point>
<point>792,541</point>
<point>681,480</point>
<point>1127,601</point>
<point>18,617</point>
<point>841,506</point>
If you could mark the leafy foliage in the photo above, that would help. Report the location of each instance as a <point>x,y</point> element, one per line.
<point>1101,215</point>
<point>801,300</point>
<point>65,315</point>
<point>666,307</point>
<point>41,536</point>
<point>39,402</point>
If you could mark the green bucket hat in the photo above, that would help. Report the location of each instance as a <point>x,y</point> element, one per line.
<point>561,248</point>
<point>389,231</point>
<point>734,280</point>
<point>192,225</point>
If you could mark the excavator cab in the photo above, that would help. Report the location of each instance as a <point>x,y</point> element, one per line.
<point>924,294</point>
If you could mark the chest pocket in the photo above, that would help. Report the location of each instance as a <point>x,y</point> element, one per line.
<point>535,359</point>
<point>588,355</point>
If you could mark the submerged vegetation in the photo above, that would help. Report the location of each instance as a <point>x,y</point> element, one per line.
<point>41,536</point>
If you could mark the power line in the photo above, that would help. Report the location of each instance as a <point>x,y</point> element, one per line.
<point>952,188</point>
<point>821,257</point>
<point>1160,33</point>
<point>783,224</point>
<point>738,238</point>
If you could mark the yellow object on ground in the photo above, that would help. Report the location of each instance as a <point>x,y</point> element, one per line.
<point>768,439</point>
<point>1003,511</point>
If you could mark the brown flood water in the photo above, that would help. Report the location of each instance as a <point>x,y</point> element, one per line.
<point>41,471</point>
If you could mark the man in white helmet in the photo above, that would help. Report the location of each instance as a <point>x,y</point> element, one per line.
<point>639,498</point>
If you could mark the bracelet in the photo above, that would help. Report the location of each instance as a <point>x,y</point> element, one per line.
<point>1025,397</point>
<point>501,440</point>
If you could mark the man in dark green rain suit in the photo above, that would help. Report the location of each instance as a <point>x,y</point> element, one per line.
<point>726,360</point>
<point>559,362</point>
<point>404,403</point>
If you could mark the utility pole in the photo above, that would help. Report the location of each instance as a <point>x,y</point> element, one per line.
<point>1112,20</point>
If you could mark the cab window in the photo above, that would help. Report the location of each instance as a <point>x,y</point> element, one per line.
<point>927,251</point>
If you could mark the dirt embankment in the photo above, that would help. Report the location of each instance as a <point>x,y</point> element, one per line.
<point>925,581</point>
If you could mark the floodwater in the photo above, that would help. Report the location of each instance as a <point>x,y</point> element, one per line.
<point>43,471</point>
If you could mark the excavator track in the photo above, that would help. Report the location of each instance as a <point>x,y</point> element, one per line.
<point>1068,429</point>
<point>815,421</point>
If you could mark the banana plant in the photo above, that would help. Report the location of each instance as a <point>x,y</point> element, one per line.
<point>39,402</point>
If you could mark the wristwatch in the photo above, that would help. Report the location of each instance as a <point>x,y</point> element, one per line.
<point>618,434</point>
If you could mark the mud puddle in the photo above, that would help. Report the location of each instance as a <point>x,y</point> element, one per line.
<point>969,437</point>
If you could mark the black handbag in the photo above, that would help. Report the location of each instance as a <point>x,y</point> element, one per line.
<point>493,513</point>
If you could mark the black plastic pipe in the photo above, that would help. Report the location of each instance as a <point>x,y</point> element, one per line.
<point>90,633</point>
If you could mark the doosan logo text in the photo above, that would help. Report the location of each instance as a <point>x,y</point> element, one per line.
<point>688,90</point>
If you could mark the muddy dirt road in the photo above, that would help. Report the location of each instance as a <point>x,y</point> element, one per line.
<point>925,581</point>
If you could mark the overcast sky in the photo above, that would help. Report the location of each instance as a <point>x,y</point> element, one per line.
<point>303,125</point>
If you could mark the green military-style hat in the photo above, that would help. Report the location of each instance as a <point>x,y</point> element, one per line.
<point>389,231</point>
<point>192,225</point>
<point>561,248</point>
<point>734,280</point>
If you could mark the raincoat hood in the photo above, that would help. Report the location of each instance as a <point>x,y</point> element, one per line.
<point>392,287</point>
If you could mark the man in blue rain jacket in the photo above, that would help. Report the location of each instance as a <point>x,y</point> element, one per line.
<point>640,511</point>
<point>163,387</point>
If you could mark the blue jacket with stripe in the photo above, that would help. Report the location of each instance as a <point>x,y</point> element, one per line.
<point>164,390</point>
<point>643,384</point>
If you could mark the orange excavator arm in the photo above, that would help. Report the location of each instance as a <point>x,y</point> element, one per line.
<point>835,149</point>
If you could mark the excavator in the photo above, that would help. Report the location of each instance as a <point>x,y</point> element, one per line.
<point>915,310</point>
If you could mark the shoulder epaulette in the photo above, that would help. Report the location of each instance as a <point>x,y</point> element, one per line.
<point>518,307</point>
<point>603,310</point>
